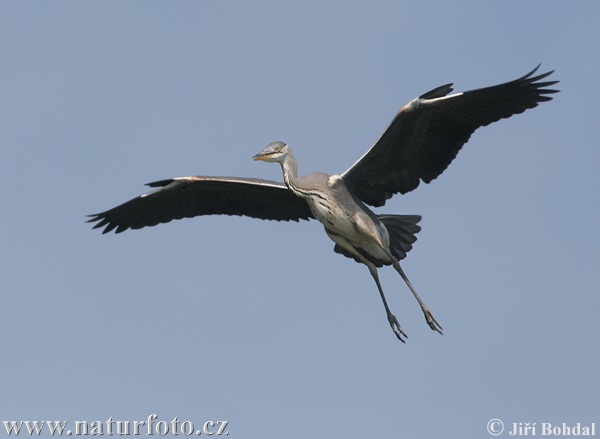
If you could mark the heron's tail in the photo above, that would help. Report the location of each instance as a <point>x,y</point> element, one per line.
<point>402,230</point>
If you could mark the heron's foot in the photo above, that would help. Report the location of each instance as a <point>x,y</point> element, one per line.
<point>431,321</point>
<point>396,327</point>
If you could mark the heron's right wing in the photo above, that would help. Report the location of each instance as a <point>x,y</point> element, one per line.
<point>186,197</point>
<point>427,134</point>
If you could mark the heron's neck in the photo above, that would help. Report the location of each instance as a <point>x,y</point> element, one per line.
<point>290,170</point>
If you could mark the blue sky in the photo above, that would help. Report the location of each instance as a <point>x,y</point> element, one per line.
<point>260,323</point>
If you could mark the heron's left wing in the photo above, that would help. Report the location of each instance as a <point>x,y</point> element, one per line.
<point>186,197</point>
<point>426,135</point>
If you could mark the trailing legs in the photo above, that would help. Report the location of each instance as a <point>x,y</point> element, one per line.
<point>431,321</point>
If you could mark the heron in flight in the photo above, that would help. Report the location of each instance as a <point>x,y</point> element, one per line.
<point>419,144</point>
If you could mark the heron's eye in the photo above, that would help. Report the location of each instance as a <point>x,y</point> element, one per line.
<point>278,148</point>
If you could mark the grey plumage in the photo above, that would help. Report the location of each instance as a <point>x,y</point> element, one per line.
<point>419,144</point>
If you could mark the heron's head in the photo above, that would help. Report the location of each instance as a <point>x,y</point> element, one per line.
<point>274,152</point>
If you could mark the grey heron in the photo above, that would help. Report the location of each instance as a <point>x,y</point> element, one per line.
<point>419,144</point>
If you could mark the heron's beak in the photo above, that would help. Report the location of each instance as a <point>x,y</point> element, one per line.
<point>261,156</point>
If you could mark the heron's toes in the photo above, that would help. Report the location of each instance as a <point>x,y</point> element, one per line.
<point>432,322</point>
<point>397,328</point>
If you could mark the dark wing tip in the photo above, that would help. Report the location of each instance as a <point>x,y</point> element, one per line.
<point>535,69</point>
<point>102,220</point>
<point>160,183</point>
<point>535,80</point>
<point>95,217</point>
<point>438,92</point>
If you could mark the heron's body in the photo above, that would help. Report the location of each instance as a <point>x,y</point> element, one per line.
<point>347,220</point>
<point>422,140</point>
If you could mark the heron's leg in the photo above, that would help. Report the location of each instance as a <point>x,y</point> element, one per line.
<point>431,321</point>
<point>342,242</point>
<point>391,317</point>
